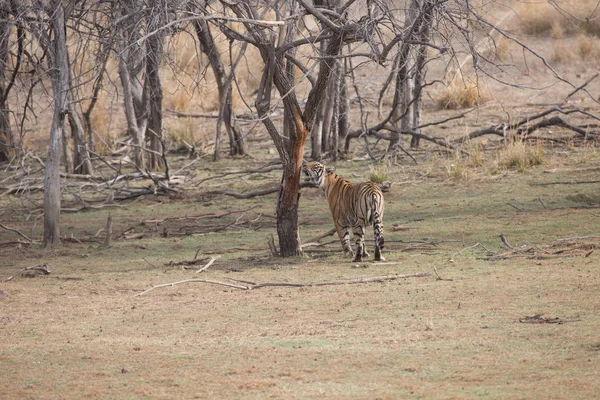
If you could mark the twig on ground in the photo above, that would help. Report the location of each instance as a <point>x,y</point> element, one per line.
<point>208,264</point>
<point>251,285</point>
<point>439,277</point>
<point>323,236</point>
<point>149,263</point>
<point>458,252</point>
<point>193,280</point>
<point>505,241</point>
<point>538,319</point>
<point>565,183</point>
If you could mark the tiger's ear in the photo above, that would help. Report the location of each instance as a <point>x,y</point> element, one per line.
<point>330,170</point>
<point>304,163</point>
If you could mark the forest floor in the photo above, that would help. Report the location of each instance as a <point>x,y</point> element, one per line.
<point>490,319</point>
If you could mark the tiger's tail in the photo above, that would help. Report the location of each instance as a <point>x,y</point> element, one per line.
<point>378,227</point>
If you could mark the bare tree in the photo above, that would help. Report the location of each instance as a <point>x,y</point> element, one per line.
<point>56,50</point>
<point>7,78</point>
<point>224,82</point>
<point>156,19</point>
<point>131,62</point>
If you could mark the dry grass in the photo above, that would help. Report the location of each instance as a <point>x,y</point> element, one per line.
<point>456,169</point>
<point>586,47</point>
<point>521,156</point>
<point>570,17</point>
<point>460,94</point>
<point>563,53</point>
<point>378,172</point>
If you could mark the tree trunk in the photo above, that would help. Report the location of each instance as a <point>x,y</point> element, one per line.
<point>289,196</point>
<point>317,134</point>
<point>131,63</point>
<point>132,123</point>
<point>81,160</point>
<point>60,88</point>
<point>423,35</point>
<point>209,48</point>
<point>6,138</point>
<point>344,106</point>
<point>328,105</point>
<point>153,90</point>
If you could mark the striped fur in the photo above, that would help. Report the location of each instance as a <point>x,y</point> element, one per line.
<point>352,205</point>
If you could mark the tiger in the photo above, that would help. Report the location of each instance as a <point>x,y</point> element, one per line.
<point>352,205</point>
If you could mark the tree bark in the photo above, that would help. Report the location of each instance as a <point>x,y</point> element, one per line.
<point>132,123</point>
<point>131,64</point>
<point>60,88</point>
<point>6,138</point>
<point>153,89</point>
<point>344,106</point>
<point>423,35</point>
<point>81,160</point>
<point>209,48</point>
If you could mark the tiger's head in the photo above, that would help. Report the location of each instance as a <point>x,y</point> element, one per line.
<point>315,172</point>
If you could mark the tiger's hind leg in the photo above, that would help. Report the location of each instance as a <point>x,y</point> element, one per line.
<point>378,236</point>
<point>359,237</point>
<point>344,235</point>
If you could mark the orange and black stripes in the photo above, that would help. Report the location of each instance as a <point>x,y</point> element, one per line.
<point>352,206</point>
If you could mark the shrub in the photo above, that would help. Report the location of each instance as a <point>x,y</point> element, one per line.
<point>379,173</point>
<point>459,94</point>
<point>520,156</point>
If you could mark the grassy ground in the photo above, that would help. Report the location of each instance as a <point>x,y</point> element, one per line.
<point>81,331</point>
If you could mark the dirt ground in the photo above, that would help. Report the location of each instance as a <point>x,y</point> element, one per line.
<point>81,331</point>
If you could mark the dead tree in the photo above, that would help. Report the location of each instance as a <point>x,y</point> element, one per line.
<point>224,83</point>
<point>55,47</point>
<point>156,20</point>
<point>6,82</point>
<point>131,63</point>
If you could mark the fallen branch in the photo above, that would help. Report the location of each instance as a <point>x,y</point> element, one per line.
<point>538,319</point>
<point>16,231</point>
<point>241,172</point>
<point>249,285</point>
<point>323,236</point>
<point>564,183</point>
<point>31,272</point>
<point>458,252</point>
<point>249,195</point>
<point>208,264</point>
